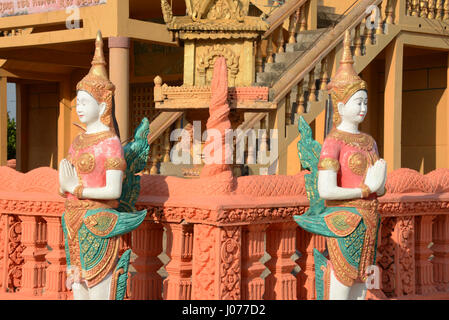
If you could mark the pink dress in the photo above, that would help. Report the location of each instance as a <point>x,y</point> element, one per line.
<point>350,155</point>
<point>92,155</point>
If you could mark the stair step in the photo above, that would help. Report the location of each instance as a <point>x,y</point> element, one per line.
<point>275,67</point>
<point>286,56</point>
<point>325,9</point>
<point>268,77</point>
<point>327,16</point>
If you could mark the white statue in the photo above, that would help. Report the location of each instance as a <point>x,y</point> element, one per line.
<point>349,176</point>
<point>91,178</point>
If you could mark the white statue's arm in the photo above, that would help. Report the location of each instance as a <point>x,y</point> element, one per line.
<point>328,189</point>
<point>112,190</point>
<point>381,190</point>
<point>68,180</point>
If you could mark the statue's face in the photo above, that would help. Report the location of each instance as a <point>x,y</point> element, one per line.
<point>354,111</point>
<point>87,107</point>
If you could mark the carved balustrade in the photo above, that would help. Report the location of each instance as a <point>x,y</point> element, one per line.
<point>284,24</point>
<point>226,245</point>
<point>431,9</point>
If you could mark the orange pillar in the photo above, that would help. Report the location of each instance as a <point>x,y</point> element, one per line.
<point>119,75</point>
<point>393,104</point>
<point>178,285</point>
<point>64,119</point>
<point>55,286</point>
<point>3,122</point>
<point>320,126</point>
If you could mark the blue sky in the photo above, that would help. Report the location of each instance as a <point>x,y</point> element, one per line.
<point>12,100</point>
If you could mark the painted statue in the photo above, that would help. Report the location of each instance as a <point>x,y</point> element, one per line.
<point>346,178</point>
<point>99,179</point>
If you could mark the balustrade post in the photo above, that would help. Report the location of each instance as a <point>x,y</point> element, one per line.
<point>288,109</point>
<point>270,49</point>
<point>423,11</point>
<point>312,85</point>
<point>358,42</point>
<point>280,40</point>
<point>216,273</point>
<point>147,245</point>
<point>306,242</point>
<point>281,245</point>
<point>424,268</point>
<point>389,12</point>
<point>56,272</point>
<point>292,28</point>
<point>34,265</point>
<point>300,100</point>
<point>178,285</point>
<point>385,259</point>
<point>441,252</point>
<point>431,10</point>
<point>253,249</point>
<point>446,10</point>
<point>167,145</point>
<point>404,236</point>
<point>439,9</point>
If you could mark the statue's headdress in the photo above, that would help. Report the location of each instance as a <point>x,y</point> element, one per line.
<point>346,81</point>
<point>98,85</point>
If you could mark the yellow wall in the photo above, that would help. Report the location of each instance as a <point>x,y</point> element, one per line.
<point>424,116</point>
<point>42,125</point>
<point>339,5</point>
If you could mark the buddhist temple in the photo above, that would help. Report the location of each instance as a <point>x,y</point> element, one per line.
<point>216,236</point>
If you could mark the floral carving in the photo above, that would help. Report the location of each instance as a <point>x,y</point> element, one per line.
<point>207,61</point>
<point>405,256</point>
<point>230,249</point>
<point>385,256</point>
<point>14,254</point>
<point>204,262</point>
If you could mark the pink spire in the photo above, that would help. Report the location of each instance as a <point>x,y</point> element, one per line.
<point>218,118</point>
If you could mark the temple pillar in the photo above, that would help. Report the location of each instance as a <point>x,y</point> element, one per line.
<point>393,104</point>
<point>216,270</point>
<point>3,122</point>
<point>178,285</point>
<point>320,126</point>
<point>119,76</point>
<point>64,119</point>
<point>280,284</point>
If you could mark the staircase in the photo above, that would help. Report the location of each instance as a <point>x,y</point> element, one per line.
<point>296,57</point>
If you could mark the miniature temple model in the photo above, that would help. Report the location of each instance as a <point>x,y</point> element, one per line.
<point>98,179</point>
<point>345,181</point>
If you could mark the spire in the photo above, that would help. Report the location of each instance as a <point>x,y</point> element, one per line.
<point>98,68</point>
<point>347,54</point>
<point>346,81</point>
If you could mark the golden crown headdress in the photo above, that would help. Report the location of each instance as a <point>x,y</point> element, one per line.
<point>97,83</point>
<point>346,81</point>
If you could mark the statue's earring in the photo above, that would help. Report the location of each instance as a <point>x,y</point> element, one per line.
<point>340,106</point>
<point>102,108</point>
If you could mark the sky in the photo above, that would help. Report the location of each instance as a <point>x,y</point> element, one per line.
<point>12,100</point>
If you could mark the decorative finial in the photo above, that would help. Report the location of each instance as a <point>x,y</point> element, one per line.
<point>98,68</point>
<point>347,54</point>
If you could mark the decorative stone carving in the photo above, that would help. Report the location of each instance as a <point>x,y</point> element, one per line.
<point>207,60</point>
<point>230,263</point>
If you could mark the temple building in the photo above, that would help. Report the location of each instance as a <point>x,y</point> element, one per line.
<point>211,233</point>
<point>280,56</point>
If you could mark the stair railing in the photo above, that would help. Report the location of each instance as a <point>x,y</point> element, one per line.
<point>306,78</point>
<point>432,9</point>
<point>295,15</point>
